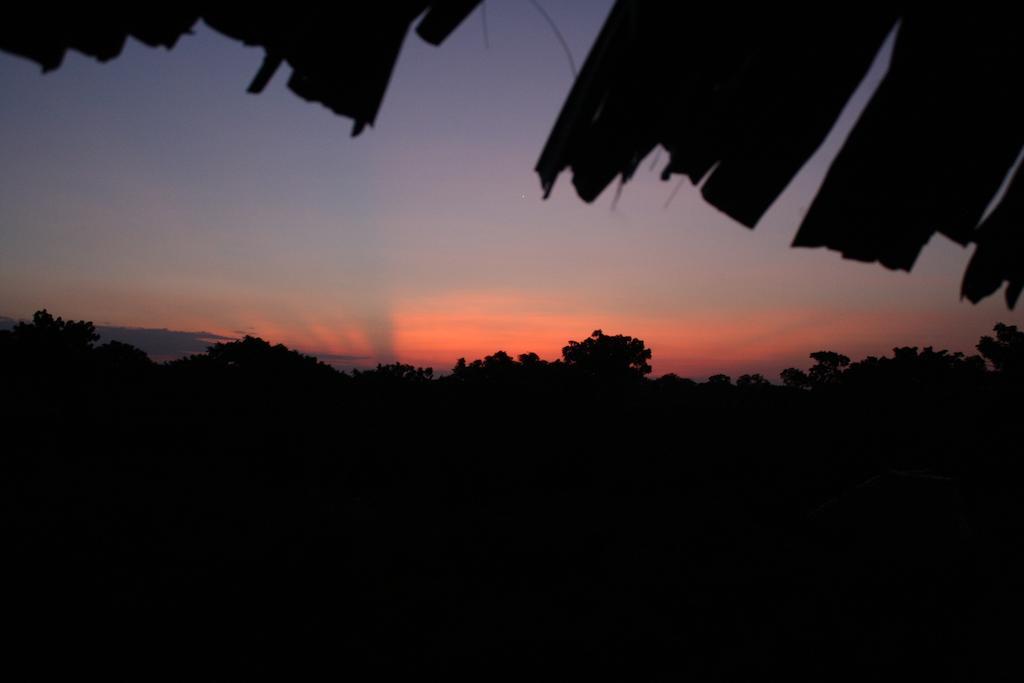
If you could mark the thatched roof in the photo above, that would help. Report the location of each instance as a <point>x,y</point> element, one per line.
<point>742,100</point>
<point>341,54</point>
<point>739,99</point>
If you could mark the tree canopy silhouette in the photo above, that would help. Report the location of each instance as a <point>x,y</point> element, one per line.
<point>1006,351</point>
<point>614,358</point>
<point>508,514</point>
<point>51,336</point>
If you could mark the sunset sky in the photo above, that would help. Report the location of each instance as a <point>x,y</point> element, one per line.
<point>153,192</point>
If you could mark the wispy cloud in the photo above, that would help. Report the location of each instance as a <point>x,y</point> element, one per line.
<point>162,344</point>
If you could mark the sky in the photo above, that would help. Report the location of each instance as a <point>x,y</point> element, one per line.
<point>153,193</point>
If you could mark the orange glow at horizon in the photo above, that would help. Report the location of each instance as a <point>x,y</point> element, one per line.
<point>435,330</point>
<point>473,325</point>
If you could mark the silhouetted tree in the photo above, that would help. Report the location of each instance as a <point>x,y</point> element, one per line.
<point>501,370</point>
<point>255,470</point>
<point>49,359</point>
<point>674,381</point>
<point>498,367</point>
<point>120,356</point>
<point>255,356</point>
<point>47,335</point>
<point>117,362</point>
<point>828,369</point>
<point>395,372</point>
<point>610,358</point>
<point>260,375</point>
<point>754,380</point>
<point>531,359</point>
<point>1005,353</point>
<point>793,377</point>
<point>910,368</point>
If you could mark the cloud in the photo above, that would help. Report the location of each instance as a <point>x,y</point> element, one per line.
<point>160,343</point>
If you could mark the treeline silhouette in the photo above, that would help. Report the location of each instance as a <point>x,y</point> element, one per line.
<point>252,510</point>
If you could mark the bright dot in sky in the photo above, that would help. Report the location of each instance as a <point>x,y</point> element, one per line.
<point>524,196</point>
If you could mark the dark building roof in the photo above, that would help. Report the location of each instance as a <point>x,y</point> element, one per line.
<point>739,99</point>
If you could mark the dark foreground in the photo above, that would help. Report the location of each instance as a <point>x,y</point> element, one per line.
<point>252,513</point>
